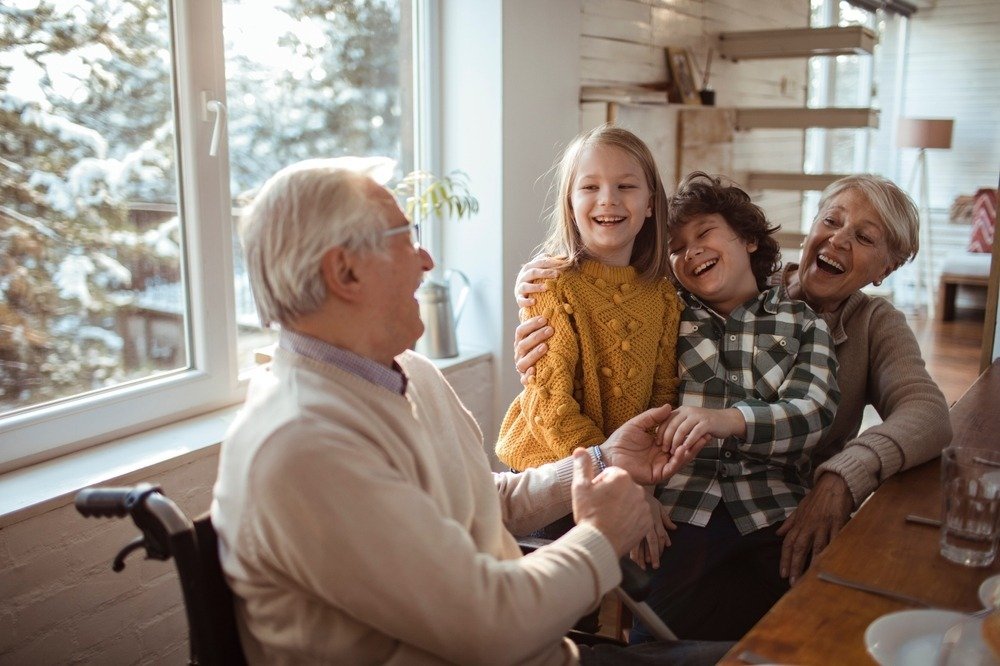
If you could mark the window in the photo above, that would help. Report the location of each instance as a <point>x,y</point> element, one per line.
<point>850,81</point>
<point>841,81</point>
<point>124,303</point>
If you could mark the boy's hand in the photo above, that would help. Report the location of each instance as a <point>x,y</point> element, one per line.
<point>650,548</point>
<point>639,448</point>
<point>530,279</point>
<point>530,346</point>
<point>694,427</point>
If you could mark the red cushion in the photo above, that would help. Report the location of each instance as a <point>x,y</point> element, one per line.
<point>984,220</point>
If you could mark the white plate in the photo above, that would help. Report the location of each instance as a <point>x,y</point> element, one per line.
<point>913,638</point>
<point>989,592</point>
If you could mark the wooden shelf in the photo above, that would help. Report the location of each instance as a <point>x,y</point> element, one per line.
<point>795,182</point>
<point>623,95</point>
<point>799,118</point>
<point>796,43</point>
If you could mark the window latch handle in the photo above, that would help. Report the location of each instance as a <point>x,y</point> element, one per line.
<point>219,109</point>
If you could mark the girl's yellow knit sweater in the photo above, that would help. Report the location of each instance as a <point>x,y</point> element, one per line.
<point>612,356</point>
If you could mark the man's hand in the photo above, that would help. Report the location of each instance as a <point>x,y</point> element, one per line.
<point>611,502</point>
<point>638,448</point>
<point>530,279</point>
<point>649,549</point>
<point>529,346</point>
<point>818,518</point>
<point>696,426</point>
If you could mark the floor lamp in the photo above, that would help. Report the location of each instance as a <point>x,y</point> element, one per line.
<point>924,134</point>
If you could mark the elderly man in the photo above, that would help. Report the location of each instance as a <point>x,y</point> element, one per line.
<point>358,518</point>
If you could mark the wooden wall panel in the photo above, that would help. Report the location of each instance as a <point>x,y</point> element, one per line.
<point>623,44</point>
<point>954,72</point>
<point>616,28</point>
<point>657,125</point>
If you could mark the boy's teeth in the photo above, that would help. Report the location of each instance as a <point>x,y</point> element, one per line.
<point>827,260</point>
<point>698,270</point>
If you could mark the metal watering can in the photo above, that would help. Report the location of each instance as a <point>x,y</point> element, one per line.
<point>434,297</point>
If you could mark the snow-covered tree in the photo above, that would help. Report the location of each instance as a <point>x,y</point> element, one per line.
<point>86,132</point>
<point>331,88</point>
<point>78,131</point>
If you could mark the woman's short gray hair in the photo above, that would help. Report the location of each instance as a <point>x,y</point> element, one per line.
<point>299,213</point>
<point>895,208</point>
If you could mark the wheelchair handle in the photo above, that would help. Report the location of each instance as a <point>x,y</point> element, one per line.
<point>112,502</point>
<point>636,581</point>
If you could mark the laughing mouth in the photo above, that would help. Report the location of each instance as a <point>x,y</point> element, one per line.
<point>608,219</point>
<point>701,268</point>
<point>830,265</point>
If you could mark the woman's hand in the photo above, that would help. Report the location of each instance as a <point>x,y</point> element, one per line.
<point>818,518</point>
<point>650,548</point>
<point>531,276</point>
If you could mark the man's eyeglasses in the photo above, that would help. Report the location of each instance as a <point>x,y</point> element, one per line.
<point>412,229</point>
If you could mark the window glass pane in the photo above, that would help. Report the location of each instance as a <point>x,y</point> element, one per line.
<point>91,292</point>
<point>311,78</point>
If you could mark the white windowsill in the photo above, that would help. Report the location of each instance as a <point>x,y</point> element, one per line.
<point>39,488</point>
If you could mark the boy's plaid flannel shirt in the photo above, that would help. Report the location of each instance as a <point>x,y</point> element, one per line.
<point>772,358</point>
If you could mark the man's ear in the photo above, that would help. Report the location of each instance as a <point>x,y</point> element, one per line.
<point>751,247</point>
<point>338,270</point>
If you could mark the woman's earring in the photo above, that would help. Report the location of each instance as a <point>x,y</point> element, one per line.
<point>803,243</point>
<point>877,283</point>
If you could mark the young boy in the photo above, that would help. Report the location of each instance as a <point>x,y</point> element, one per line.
<point>757,377</point>
<point>757,380</point>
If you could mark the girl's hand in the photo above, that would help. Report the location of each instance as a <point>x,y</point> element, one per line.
<point>530,279</point>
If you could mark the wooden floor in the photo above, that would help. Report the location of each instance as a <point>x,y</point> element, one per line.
<point>951,350</point>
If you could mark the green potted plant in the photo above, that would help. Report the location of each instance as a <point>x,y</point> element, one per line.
<point>427,196</point>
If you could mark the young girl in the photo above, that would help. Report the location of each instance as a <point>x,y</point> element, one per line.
<point>615,315</point>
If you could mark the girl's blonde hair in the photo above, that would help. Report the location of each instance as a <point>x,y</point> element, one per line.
<point>649,256</point>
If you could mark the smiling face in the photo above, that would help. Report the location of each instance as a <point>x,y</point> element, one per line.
<point>845,250</point>
<point>712,262</point>
<point>392,277</point>
<point>610,201</point>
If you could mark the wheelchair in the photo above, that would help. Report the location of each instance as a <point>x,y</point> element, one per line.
<point>166,532</point>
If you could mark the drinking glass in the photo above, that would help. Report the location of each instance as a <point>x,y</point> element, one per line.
<point>970,492</point>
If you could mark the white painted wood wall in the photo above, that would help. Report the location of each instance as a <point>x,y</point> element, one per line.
<point>954,72</point>
<point>623,42</point>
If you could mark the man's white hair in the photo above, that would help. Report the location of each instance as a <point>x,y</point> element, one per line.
<point>301,212</point>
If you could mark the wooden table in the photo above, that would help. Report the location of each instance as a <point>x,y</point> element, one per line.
<point>820,623</point>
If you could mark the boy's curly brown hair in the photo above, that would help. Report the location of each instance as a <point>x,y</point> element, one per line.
<point>702,194</point>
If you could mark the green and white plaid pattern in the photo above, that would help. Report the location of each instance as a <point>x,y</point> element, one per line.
<point>772,359</point>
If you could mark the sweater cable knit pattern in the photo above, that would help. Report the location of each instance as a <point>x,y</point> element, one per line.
<point>612,356</point>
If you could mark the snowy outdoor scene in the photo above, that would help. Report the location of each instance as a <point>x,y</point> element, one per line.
<point>92,245</point>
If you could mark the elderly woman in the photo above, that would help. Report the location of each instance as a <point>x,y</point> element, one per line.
<point>866,228</point>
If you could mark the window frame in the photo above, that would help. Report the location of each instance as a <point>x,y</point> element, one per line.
<point>212,378</point>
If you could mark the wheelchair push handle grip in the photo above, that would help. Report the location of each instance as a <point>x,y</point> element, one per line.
<point>112,502</point>
<point>636,581</point>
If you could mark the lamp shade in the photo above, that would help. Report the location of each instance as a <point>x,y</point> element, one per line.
<point>924,133</point>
